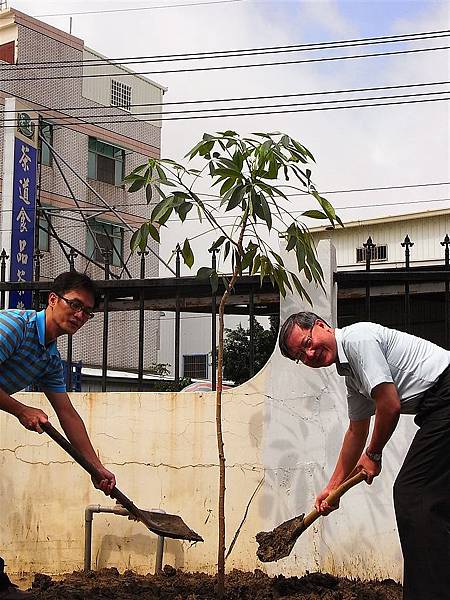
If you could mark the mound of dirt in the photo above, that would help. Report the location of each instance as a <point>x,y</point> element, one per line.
<point>177,585</point>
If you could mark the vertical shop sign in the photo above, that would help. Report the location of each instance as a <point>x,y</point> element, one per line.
<point>23,208</point>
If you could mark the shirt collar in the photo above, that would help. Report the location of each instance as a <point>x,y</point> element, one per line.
<point>40,323</point>
<point>342,364</point>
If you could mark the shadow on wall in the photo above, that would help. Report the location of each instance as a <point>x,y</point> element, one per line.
<point>137,551</point>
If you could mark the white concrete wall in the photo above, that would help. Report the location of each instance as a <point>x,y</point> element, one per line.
<point>282,430</point>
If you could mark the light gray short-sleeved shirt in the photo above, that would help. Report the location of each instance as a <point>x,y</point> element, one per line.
<point>370,354</point>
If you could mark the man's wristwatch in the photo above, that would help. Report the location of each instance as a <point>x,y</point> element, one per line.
<point>375,456</point>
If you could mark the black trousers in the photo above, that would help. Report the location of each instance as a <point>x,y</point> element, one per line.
<point>422,500</point>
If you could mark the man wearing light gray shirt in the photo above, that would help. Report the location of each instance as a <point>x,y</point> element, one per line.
<point>387,373</point>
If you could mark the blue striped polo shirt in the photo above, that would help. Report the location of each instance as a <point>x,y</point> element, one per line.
<point>24,357</point>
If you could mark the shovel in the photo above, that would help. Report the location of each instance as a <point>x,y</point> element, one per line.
<point>279,542</point>
<point>162,524</point>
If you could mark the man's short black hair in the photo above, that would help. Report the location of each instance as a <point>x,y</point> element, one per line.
<point>72,280</point>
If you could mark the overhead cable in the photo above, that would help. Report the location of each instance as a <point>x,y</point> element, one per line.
<point>140,60</point>
<point>252,114</point>
<point>227,67</point>
<point>237,99</point>
<point>142,8</point>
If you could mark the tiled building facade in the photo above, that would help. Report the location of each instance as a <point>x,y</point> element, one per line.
<point>99,150</point>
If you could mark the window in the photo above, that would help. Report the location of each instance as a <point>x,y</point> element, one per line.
<point>120,95</point>
<point>46,131</point>
<point>7,52</point>
<point>105,162</point>
<point>44,232</point>
<point>195,366</point>
<point>377,253</point>
<point>109,237</point>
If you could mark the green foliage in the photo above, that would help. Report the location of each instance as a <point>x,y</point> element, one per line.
<point>167,386</point>
<point>246,171</point>
<point>236,351</point>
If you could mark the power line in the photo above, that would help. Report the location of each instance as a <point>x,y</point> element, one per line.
<point>238,99</point>
<point>116,10</point>
<point>223,67</point>
<point>294,47</point>
<point>232,218</point>
<point>245,114</point>
<point>161,114</point>
<point>138,60</point>
<point>215,198</point>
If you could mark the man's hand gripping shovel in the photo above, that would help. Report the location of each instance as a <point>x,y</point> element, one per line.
<point>279,542</point>
<point>162,524</point>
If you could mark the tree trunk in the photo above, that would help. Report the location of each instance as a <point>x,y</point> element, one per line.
<point>220,446</point>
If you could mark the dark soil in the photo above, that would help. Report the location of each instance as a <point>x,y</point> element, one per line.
<point>279,542</point>
<point>177,585</point>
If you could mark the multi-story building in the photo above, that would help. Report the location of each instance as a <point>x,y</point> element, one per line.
<point>90,110</point>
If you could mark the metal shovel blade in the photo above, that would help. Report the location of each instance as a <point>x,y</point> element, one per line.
<point>171,526</point>
<point>162,524</point>
<point>278,543</point>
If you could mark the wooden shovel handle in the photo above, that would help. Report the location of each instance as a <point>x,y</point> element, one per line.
<point>89,467</point>
<point>334,496</point>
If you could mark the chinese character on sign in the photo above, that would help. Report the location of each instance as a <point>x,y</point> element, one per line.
<point>20,275</point>
<point>25,158</point>
<point>22,256</point>
<point>22,217</point>
<point>21,305</point>
<point>24,189</point>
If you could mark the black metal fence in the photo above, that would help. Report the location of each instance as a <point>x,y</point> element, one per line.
<point>414,299</point>
<point>179,294</point>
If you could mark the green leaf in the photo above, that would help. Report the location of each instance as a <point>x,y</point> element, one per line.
<point>227,185</point>
<point>187,253</point>
<point>277,258</point>
<point>205,148</point>
<point>300,255</point>
<point>247,261</point>
<point>299,287</point>
<point>162,220</point>
<point>314,214</point>
<point>153,232</point>
<point>291,242</point>
<point>256,264</point>
<point>228,164</point>
<point>280,281</point>
<point>136,185</point>
<point>183,210</point>
<point>161,208</point>
<point>218,243</point>
<point>227,249</point>
<point>161,174</point>
<point>236,197</point>
<point>223,172</point>
<point>267,215</point>
<point>214,280</point>
<point>135,240</point>
<point>204,272</point>
<point>149,193</point>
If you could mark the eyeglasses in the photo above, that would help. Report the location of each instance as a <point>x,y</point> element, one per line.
<point>77,306</point>
<point>306,345</point>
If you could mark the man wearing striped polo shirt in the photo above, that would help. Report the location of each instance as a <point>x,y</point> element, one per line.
<point>28,355</point>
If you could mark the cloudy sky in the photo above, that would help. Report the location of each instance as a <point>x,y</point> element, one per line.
<point>381,146</point>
